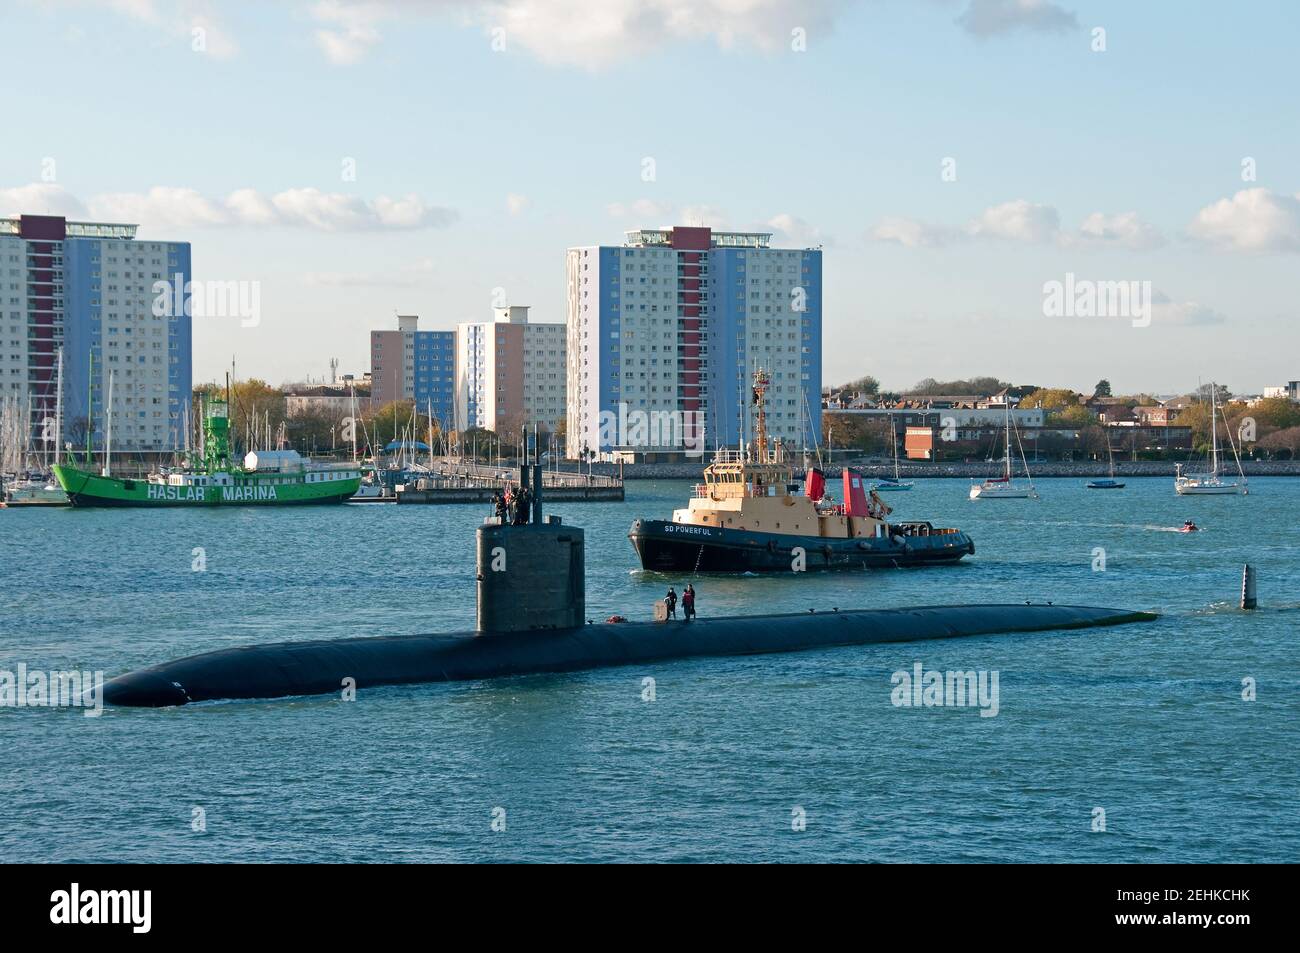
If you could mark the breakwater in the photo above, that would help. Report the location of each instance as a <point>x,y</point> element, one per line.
<point>919,471</point>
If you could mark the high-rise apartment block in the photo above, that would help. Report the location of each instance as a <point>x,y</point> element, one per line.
<point>94,291</point>
<point>510,373</point>
<point>666,331</point>
<point>417,366</point>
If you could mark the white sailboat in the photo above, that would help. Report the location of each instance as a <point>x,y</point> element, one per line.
<point>1004,487</point>
<point>1211,484</point>
<point>44,491</point>
<point>371,487</point>
<point>895,484</point>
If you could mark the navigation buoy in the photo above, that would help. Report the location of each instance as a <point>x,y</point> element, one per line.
<point>1248,599</point>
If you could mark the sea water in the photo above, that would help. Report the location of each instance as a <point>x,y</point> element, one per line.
<point>1170,741</point>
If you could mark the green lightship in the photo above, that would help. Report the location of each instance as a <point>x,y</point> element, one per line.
<point>267,478</point>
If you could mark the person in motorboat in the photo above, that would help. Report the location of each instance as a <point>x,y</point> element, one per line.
<point>1189,527</point>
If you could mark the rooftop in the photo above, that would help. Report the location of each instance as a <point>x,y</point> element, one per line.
<point>40,226</point>
<point>664,236</point>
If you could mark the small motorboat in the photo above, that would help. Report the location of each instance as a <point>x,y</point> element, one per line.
<point>1189,527</point>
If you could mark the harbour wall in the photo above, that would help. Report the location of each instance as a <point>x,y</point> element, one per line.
<point>483,494</point>
<point>919,471</point>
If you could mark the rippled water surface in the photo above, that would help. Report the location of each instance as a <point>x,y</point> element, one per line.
<point>1146,722</point>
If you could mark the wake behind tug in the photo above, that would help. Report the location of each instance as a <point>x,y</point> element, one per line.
<point>748,516</point>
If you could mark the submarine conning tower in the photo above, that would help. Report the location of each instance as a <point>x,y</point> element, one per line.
<point>531,575</point>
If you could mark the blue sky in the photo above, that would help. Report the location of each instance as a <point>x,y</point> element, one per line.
<point>476,167</point>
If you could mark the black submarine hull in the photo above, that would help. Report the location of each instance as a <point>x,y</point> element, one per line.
<point>664,546</point>
<point>288,669</point>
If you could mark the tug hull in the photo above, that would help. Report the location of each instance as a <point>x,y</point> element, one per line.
<point>664,546</point>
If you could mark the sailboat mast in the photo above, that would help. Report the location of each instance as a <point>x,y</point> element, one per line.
<point>90,406</point>
<point>58,409</point>
<point>108,427</point>
<point>1214,432</point>
<point>893,442</point>
<point>353,388</point>
<point>1008,437</point>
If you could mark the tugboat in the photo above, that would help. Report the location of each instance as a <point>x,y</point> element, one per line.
<point>267,478</point>
<point>748,516</point>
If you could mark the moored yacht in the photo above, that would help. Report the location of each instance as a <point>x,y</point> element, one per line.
<point>895,484</point>
<point>1212,484</point>
<point>1005,487</point>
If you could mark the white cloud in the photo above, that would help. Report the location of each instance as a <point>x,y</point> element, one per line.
<point>251,207</point>
<point>517,204</point>
<point>407,211</point>
<point>913,234</point>
<point>172,207</point>
<point>985,18</point>
<point>582,33</point>
<point>1124,229</point>
<point>594,35</point>
<point>216,41</point>
<point>795,229</point>
<point>351,29</point>
<point>40,198</point>
<point>178,21</point>
<point>1025,222</point>
<point>701,215</point>
<point>642,209</point>
<point>160,207</point>
<point>1018,220</point>
<point>1164,310</point>
<point>1253,220</point>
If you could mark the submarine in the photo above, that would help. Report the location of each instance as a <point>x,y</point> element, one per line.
<point>531,592</point>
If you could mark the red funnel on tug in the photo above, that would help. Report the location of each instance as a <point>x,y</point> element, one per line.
<point>855,493</point>
<point>814,485</point>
